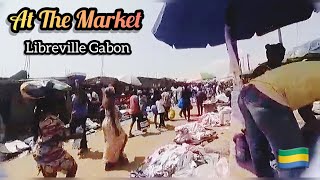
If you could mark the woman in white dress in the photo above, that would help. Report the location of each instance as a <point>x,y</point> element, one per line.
<point>114,136</point>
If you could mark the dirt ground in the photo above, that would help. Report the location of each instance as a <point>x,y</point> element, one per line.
<point>139,147</point>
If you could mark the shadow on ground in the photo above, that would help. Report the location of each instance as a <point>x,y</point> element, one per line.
<point>247,166</point>
<point>170,127</point>
<point>131,166</point>
<point>150,134</point>
<point>95,155</point>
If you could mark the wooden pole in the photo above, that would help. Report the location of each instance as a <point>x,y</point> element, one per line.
<point>102,64</point>
<point>248,62</point>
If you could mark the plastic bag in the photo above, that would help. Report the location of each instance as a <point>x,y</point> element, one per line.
<point>172,114</point>
<point>180,103</point>
<point>144,124</point>
<point>77,142</point>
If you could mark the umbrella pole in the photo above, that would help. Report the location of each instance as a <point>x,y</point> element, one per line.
<point>102,64</point>
<point>280,36</point>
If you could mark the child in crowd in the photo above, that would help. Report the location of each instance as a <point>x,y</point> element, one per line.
<point>161,112</point>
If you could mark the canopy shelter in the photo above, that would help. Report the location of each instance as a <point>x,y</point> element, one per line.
<point>131,80</point>
<point>147,82</point>
<point>97,83</point>
<point>196,24</point>
<point>167,82</point>
<point>75,76</point>
<point>20,75</point>
<point>308,50</point>
<point>103,80</point>
<point>200,77</point>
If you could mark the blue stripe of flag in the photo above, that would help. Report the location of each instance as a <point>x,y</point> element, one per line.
<point>299,164</point>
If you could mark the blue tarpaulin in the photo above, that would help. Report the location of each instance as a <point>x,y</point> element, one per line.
<point>197,23</point>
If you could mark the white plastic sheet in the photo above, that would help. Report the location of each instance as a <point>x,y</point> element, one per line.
<point>16,146</point>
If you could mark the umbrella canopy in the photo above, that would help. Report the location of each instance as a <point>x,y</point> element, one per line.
<point>20,75</point>
<point>191,24</point>
<point>132,80</point>
<point>72,77</point>
<point>36,89</point>
<point>308,50</point>
<point>101,80</point>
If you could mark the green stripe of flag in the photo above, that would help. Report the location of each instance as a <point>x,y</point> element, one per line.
<point>301,150</point>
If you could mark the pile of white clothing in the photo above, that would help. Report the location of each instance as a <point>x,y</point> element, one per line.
<point>12,149</point>
<point>211,119</point>
<point>178,161</point>
<point>201,130</point>
<point>224,115</point>
<point>222,97</point>
<point>193,133</point>
<point>92,125</point>
<point>125,115</point>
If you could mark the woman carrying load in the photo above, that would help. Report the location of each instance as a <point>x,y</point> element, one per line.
<point>114,136</point>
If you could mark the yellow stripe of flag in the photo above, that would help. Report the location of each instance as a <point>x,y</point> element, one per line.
<point>293,158</point>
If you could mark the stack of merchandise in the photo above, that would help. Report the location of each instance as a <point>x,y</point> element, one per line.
<point>13,149</point>
<point>182,161</point>
<point>211,119</point>
<point>202,130</point>
<point>194,133</point>
<point>91,126</point>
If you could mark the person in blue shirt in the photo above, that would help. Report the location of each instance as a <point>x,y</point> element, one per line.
<point>79,115</point>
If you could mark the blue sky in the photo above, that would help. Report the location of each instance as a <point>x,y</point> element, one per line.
<point>150,57</point>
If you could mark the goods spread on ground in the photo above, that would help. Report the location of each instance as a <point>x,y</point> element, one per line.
<point>184,160</point>
<point>197,132</point>
<point>17,148</point>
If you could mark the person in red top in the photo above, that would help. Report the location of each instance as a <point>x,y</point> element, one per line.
<point>135,112</point>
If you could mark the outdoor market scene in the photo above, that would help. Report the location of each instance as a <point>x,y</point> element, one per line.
<point>255,113</point>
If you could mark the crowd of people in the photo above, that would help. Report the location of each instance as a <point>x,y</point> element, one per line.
<point>50,130</point>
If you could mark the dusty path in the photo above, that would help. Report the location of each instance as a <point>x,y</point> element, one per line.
<point>137,149</point>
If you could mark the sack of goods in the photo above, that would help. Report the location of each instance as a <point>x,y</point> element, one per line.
<point>37,89</point>
<point>144,124</point>
<point>172,114</point>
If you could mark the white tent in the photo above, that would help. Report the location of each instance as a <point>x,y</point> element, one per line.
<point>130,79</point>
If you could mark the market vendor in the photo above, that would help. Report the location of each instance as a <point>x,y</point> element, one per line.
<point>275,55</point>
<point>267,104</point>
